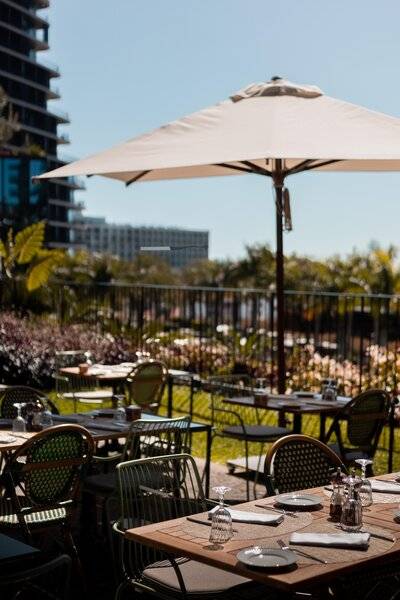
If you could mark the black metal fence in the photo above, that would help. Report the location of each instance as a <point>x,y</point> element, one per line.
<point>355,338</point>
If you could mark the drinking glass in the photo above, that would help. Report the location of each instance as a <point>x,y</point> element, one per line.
<point>46,419</point>
<point>120,414</point>
<point>18,423</point>
<point>221,525</point>
<point>365,489</point>
<point>261,383</point>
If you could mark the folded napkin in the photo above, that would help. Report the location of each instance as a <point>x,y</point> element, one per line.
<point>332,540</point>
<point>242,516</point>
<point>385,487</point>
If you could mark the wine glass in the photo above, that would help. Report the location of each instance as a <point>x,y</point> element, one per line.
<point>18,423</point>
<point>221,525</point>
<point>365,489</point>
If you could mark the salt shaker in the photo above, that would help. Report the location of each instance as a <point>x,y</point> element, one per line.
<point>337,498</point>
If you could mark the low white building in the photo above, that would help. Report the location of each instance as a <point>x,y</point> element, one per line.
<point>125,241</point>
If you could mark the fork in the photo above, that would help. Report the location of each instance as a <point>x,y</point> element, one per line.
<point>283,546</point>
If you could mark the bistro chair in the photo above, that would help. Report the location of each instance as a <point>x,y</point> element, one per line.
<point>41,483</point>
<point>358,426</point>
<point>25,395</point>
<point>145,438</point>
<point>27,581</point>
<point>299,462</point>
<point>146,383</point>
<point>156,489</point>
<point>76,388</point>
<point>229,423</point>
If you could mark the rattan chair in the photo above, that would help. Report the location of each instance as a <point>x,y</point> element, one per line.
<point>76,388</point>
<point>229,423</point>
<point>26,395</point>
<point>146,383</point>
<point>364,418</point>
<point>145,438</point>
<point>299,462</point>
<point>41,482</point>
<point>157,489</point>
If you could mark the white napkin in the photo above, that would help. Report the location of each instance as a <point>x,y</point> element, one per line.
<point>333,540</point>
<point>242,516</point>
<point>385,487</point>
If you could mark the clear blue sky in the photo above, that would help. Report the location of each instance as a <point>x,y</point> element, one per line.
<point>131,65</point>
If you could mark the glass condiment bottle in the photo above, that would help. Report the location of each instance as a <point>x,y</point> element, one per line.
<point>351,519</point>
<point>337,498</point>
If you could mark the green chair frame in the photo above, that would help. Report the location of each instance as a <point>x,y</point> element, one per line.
<point>146,383</point>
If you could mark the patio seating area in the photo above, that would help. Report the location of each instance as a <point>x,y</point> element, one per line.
<point>92,480</point>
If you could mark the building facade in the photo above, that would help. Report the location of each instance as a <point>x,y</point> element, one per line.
<point>33,149</point>
<point>126,241</point>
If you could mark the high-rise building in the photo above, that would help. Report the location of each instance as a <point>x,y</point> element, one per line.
<point>125,241</point>
<point>33,149</point>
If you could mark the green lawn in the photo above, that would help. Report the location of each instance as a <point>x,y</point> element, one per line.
<point>223,448</point>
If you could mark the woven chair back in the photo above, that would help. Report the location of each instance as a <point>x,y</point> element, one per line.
<point>299,462</point>
<point>367,413</point>
<point>146,383</point>
<point>46,469</point>
<point>22,394</point>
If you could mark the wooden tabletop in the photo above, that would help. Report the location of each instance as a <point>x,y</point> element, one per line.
<point>100,428</point>
<point>166,536</point>
<point>289,403</point>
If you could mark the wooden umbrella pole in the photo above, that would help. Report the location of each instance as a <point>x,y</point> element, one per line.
<point>278,178</point>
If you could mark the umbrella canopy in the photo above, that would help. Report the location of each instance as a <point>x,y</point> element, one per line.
<point>273,129</point>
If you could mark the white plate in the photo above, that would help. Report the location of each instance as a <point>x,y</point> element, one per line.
<point>7,439</point>
<point>267,558</point>
<point>299,501</point>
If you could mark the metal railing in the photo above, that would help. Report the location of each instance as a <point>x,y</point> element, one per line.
<point>354,338</point>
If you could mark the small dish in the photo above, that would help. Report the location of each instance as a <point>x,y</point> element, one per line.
<point>300,501</point>
<point>7,439</point>
<point>267,558</point>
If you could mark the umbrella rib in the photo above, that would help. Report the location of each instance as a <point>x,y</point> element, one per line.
<point>256,169</point>
<point>137,177</point>
<point>236,168</point>
<point>309,165</point>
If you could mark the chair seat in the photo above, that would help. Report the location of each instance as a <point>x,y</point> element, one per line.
<point>351,454</point>
<point>94,396</point>
<point>102,483</point>
<point>200,580</point>
<point>8,518</point>
<point>255,433</point>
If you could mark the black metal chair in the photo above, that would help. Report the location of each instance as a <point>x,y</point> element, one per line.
<point>145,438</point>
<point>156,489</point>
<point>40,580</point>
<point>25,395</point>
<point>229,423</point>
<point>298,462</point>
<point>358,426</point>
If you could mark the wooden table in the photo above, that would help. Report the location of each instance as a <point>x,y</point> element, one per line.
<point>305,575</point>
<point>292,404</point>
<point>103,429</point>
<point>116,379</point>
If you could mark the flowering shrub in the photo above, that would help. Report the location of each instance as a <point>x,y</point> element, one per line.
<point>28,346</point>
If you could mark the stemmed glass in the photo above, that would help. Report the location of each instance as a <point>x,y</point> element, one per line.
<point>18,423</point>
<point>365,489</point>
<point>221,525</point>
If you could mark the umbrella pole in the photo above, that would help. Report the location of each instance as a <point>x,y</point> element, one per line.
<point>278,178</point>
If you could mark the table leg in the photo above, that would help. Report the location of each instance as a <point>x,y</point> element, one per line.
<point>170,389</point>
<point>297,422</point>
<point>207,466</point>
<point>322,426</point>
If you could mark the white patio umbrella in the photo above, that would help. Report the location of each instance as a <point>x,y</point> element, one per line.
<point>274,129</point>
